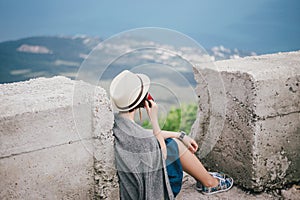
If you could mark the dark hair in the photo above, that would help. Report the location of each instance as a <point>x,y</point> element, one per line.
<point>141,104</point>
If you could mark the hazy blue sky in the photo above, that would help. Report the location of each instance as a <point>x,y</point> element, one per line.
<point>257,25</point>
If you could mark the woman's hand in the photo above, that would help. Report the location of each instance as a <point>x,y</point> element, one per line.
<point>153,111</point>
<point>190,143</point>
<point>153,115</point>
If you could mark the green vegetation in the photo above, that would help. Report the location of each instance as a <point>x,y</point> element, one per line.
<point>178,119</point>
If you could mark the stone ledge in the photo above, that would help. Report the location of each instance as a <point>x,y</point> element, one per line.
<point>48,139</point>
<point>261,133</point>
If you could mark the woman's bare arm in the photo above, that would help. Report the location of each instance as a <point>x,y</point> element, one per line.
<point>188,141</point>
<point>169,134</point>
<point>152,113</point>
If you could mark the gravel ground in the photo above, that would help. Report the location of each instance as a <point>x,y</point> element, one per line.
<point>189,192</point>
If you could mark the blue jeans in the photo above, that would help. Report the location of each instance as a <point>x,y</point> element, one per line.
<point>174,167</point>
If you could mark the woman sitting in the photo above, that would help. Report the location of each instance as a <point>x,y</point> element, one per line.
<point>150,163</point>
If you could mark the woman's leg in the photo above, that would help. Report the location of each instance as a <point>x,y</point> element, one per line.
<point>192,165</point>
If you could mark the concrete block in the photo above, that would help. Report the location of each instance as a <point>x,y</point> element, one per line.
<point>106,181</point>
<point>28,131</point>
<point>259,140</point>
<point>58,172</point>
<point>48,138</point>
<point>277,157</point>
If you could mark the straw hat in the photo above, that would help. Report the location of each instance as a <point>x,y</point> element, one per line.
<point>127,90</point>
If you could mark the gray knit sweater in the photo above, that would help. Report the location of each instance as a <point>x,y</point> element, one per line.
<point>141,168</point>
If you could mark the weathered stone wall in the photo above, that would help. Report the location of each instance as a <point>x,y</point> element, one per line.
<point>56,137</point>
<point>55,141</point>
<point>259,142</point>
<point>106,181</point>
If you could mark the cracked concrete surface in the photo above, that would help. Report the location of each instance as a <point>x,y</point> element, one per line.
<point>41,153</point>
<point>259,142</point>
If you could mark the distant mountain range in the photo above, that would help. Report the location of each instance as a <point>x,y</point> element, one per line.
<point>48,56</point>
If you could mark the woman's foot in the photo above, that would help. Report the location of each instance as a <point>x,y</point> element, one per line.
<point>224,184</point>
<point>213,174</point>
